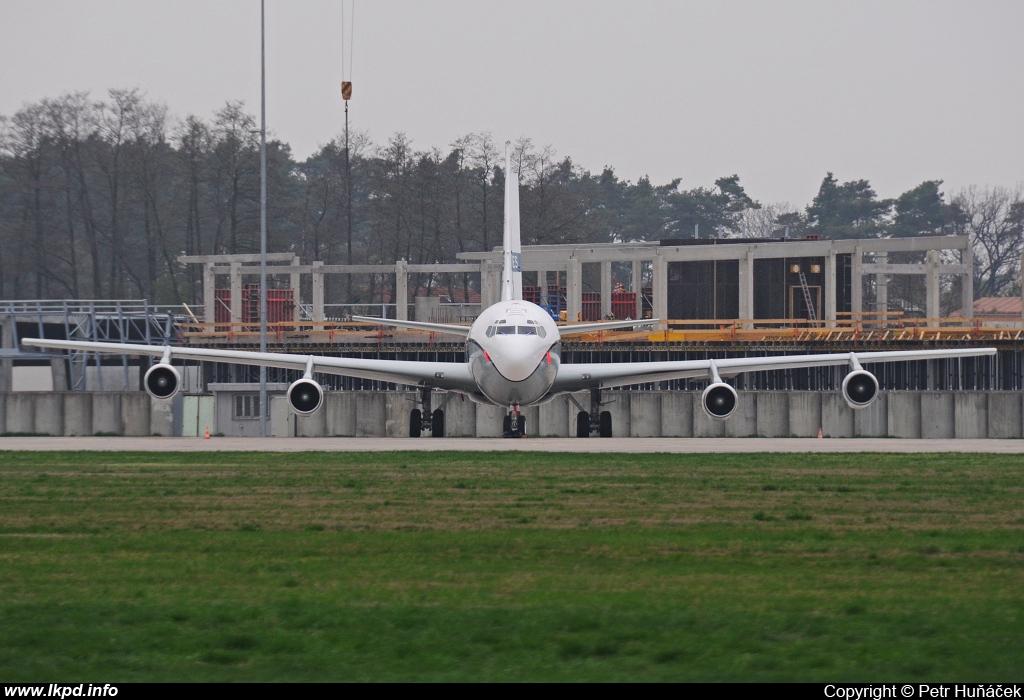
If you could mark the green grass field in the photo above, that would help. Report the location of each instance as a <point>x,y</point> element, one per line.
<point>503,566</point>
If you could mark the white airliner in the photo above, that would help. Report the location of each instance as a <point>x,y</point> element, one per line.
<point>512,360</point>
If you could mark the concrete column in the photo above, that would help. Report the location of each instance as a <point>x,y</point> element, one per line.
<point>967,285</point>
<point>606,289</point>
<point>542,282</point>
<point>209,285</point>
<point>746,288</point>
<point>932,297</point>
<point>660,289</point>
<point>318,290</point>
<point>6,366</point>
<point>830,289</point>
<point>59,371</point>
<point>574,290</point>
<point>856,283</point>
<point>296,288</point>
<point>401,290</point>
<point>638,288</point>
<point>490,283</point>
<point>496,270</point>
<point>486,297</point>
<point>236,292</point>
<point>882,287</point>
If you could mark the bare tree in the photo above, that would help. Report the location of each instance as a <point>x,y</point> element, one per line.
<point>151,170</point>
<point>194,150</point>
<point>235,181</point>
<point>994,221</point>
<point>484,157</point>
<point>763,221</point>
<point>73,122</point>
<point>554,210</point>
<point>23,145</point>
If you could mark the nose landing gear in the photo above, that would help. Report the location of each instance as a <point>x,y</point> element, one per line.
<point>514,423</point>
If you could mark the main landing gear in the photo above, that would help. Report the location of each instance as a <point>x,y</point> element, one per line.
<point>424,418</point>
<point>595,420</point>
<point>514,423</point>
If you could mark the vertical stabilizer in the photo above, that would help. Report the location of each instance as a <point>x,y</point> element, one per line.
<point>512,256</point>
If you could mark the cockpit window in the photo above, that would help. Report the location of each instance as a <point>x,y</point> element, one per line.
<point>506,329</point>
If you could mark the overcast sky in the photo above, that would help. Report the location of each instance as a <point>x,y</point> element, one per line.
<point>896,92</point>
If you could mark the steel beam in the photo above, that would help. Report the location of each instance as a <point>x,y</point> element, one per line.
<point>228,259</point>
<point>911,269</point>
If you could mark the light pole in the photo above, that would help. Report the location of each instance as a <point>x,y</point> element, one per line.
<point>263,219</point>
<point>346,94</point>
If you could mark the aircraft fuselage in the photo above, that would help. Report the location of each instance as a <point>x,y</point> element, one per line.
<point>513,352</point>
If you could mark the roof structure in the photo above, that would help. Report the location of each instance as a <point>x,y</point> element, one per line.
<point>996,307</point>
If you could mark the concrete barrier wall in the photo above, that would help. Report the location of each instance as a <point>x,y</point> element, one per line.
<point>78,414</point>
<point>1004,414</point>
<point>903,414</point>
<point>804,413</point>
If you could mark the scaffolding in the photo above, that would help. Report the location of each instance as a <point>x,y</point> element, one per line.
<point>113,321</point>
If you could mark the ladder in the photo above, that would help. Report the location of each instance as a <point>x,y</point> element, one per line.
<point>811,313</point>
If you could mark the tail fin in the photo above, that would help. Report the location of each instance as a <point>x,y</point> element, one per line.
<point>512,255</point>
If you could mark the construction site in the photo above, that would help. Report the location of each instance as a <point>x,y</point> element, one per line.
<point>708,299</point>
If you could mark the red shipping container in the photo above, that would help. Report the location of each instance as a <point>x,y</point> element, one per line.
<point>222,308</point>
<point>624,305</point>
<point>591,306</point>
<point>280,307</point>
<point>280,304</point>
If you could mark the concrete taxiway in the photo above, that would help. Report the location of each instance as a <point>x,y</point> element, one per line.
<point>592,445</point>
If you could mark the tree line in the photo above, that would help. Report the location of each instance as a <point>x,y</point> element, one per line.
<point>99,197</point>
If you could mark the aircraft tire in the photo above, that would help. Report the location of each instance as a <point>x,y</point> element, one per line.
<point>582,424</point>
<point>506,425</point>
<point>415,423</point>
<point>606,424</point>
<point>437,424</point>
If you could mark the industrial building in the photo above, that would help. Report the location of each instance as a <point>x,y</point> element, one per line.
<point>682,280</point>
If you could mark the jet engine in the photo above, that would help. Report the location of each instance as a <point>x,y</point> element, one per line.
<point>305,396</point>
<point>719,400</point>
<point>162,381</point>
<point>860,388</point>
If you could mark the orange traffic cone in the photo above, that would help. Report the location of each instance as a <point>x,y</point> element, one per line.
<point>207,436</point>
<point>819,433</point>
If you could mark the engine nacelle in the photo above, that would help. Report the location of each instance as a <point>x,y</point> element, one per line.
<point>860,388</point>
<point>719,400</point>
<point>305,396</point>
<point>162,381</point>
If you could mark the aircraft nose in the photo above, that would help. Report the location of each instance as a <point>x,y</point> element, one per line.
<point>518,357</point>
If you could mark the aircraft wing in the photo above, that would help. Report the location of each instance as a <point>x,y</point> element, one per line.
<point>451,328</point>
<point>603,326</point>
<point>573,377</point>
<point>453,376</point>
